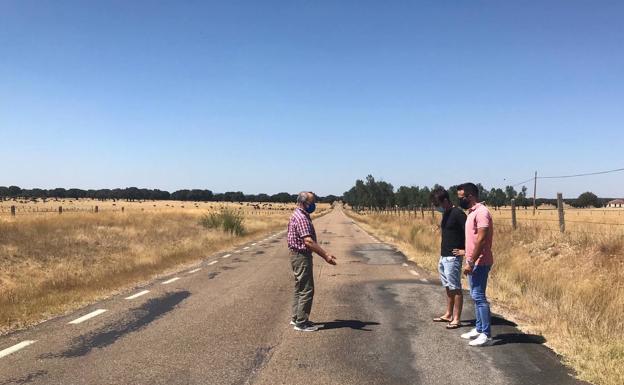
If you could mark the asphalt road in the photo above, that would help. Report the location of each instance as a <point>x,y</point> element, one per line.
<point>227,323</point>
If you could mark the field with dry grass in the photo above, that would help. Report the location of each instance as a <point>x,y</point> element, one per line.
<point>53,263</point>
<point>568,287</point>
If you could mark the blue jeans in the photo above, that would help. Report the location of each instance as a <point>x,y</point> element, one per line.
<point>478,284</point>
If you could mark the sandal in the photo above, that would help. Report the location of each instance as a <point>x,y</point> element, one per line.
<point>451,326</point>
<point>441,319</point>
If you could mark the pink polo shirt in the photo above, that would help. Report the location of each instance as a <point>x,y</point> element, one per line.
<point>479,217</point>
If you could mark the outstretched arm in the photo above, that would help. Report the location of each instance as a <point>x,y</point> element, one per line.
<point>313,246</point>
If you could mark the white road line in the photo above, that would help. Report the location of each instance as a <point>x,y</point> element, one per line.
<point>414,272</point>
<point>227,256</point>
<point>246,247</point>
<point>137,295</point>
<point>212,263</point>
<point>237,251</point>
<point>88,316</point>
<point>15,348</point>
<point>170,280</point>
<point>424,280</point>
<point>194,270</point>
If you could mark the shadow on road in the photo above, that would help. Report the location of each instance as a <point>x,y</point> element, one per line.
<point>496,321</point>
<point>351,324</point>
<point>517,338</point>
<point>512,337</point>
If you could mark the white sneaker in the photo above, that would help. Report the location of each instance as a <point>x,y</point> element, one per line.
<point>292,323</point>
<point>481,340</point>
<point>471,334</point>
<point>307,327</point>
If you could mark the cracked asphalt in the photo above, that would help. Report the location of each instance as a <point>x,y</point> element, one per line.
<point>226,322</point>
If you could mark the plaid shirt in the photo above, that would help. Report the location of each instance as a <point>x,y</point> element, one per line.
<point>299,227</point>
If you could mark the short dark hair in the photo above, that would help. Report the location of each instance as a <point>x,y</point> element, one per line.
<point>469,188</point>
<point>439,195</point>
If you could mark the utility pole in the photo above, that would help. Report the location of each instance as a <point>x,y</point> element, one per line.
<point>534,193</point>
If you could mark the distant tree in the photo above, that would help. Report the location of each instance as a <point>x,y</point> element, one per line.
<point>496,197</point>
<point>58,192</point>
<point>4,192</point>
<point>511,194</point>
<point>587,199</point>
<point>76,193</point>
<point>283,197</point>
<point>14,191</point>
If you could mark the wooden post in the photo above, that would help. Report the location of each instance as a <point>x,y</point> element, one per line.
<point>534,193</point>
<point>60,209</point>
<point>560,211</point>
<point>422,212</point>
<point>96,209</point>
<point>514,224</point>
<point>13,210</point>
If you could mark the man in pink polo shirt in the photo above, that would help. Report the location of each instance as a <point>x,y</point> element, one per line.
<point>479,260</point>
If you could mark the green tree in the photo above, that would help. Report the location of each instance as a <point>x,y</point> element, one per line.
<point>587,199</point>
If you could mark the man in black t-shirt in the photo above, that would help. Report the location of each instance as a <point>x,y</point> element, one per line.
<point>450,265</point>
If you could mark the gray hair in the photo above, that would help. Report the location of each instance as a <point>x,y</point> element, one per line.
<point>303,197</point>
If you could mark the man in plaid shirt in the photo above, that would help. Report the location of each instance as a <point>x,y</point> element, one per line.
<point>302,243</point>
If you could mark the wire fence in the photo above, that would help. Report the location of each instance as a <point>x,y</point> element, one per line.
<point>21,209</point>
<point>574,221</point>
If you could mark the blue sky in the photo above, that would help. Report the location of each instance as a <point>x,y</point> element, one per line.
<point>269,96</point>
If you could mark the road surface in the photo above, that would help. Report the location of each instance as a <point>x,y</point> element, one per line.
<point>226,321</point>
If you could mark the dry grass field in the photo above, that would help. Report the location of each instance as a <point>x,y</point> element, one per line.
<point>568,287</point>
<point>53,263</point>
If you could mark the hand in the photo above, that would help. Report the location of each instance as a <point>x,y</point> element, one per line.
<point>330,259</point>
<point>459,252</point>
<point>467,269</point>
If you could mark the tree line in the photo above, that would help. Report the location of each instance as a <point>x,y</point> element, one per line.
<point>141,194</point>
<point>374,194</point>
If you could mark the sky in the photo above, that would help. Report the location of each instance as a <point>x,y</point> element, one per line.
<point>270,96</point>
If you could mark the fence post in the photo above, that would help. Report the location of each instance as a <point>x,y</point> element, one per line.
<point>560,211</point>
<point>60,209</point>
<point>12,210</point>
<point>122,209</point>
<point>96,209</point>
<point>514,224</point>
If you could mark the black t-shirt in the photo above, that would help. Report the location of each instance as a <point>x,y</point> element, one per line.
<point>452,227</point>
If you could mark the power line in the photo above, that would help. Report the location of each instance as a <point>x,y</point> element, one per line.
<point>523,182</point>
<point>577,175</point>
<point>568,176</point>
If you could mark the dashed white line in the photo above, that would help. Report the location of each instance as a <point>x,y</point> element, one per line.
<point>253,244</point>
<point>194,270</point>
<point>88,316</point>
<point>16,347</point>
<point>227,256</point>
<point>170,280</point>
<point>237,251</point>
<point>137,295</point>
<point>212,263</point>
<point>414,272</point>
